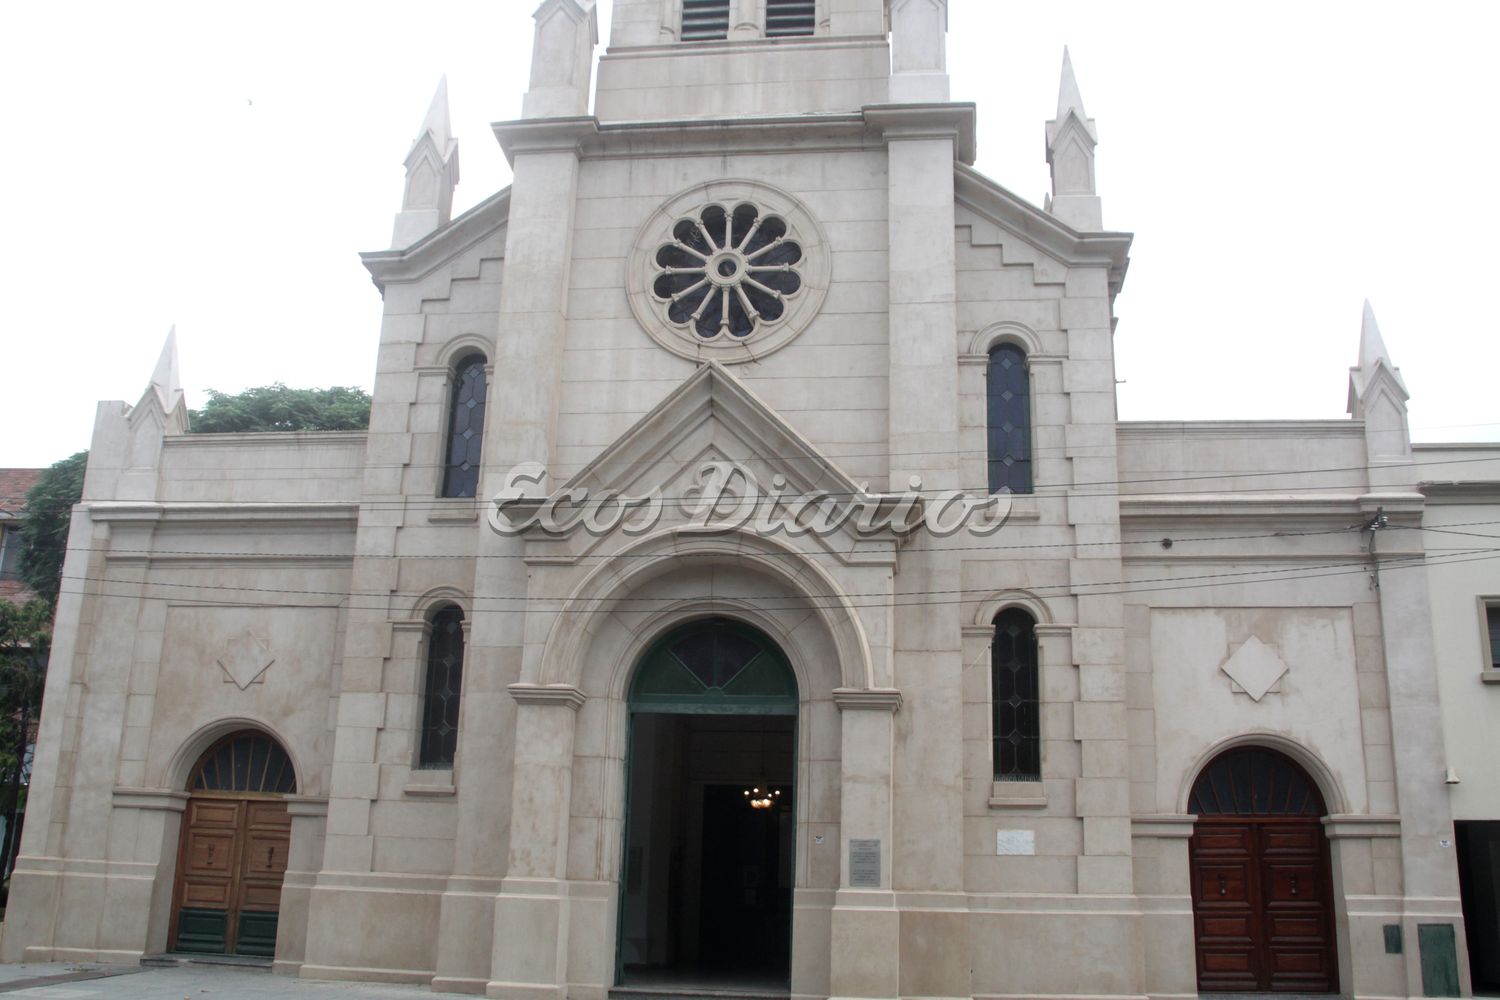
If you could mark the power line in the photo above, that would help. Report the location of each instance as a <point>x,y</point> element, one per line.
<point>896,598</point>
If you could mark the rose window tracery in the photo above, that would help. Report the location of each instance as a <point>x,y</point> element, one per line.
<point>728,273</point>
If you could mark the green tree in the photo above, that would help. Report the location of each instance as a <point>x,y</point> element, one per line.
<point>44,532</point>
<point>25,641</point>
<point>278,408</point>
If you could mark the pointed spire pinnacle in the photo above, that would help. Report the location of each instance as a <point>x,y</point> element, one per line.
<point>165,380</point>
<point>431,175</point>
<point>436,124</point>
<point>1371,344</point>
<point>1071,138</point>
<point>1374,363</point>
<point>1068,96</point>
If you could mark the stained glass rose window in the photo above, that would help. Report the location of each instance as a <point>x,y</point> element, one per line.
<point>727,272</point>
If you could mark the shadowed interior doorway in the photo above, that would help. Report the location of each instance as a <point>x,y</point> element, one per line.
<point>706,900</point>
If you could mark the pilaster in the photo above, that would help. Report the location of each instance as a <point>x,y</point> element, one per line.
<point>866,926</point>
<point>1429,866</point>
<point>531,913</point>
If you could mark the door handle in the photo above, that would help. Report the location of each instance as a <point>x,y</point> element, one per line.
<point>271,853</point>
<point>1223,886</point>
<point>1294,885</point>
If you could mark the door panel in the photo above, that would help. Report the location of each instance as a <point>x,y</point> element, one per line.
<point>231,865</point>
<point>1262,908</point>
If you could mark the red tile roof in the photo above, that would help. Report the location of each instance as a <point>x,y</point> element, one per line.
<point>13,486</point>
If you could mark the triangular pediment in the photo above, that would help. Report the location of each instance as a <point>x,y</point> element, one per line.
<point>713,437</point>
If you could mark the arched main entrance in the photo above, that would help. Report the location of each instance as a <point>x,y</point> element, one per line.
<point>706,893</point>
<point>233,850</point>
<point>1262,891</point>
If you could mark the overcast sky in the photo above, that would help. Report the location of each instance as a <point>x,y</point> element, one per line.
<point>219,165</point>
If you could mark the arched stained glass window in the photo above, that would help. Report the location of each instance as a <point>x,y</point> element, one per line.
<point>1015,701</point>
<point>247,761</point>
<point>1008,419</point>
<point>444,685</point>
<point>715,666</point>
<point>465,427</point>
<point>1255,781</point>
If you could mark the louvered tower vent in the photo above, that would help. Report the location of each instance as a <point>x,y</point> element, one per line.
<point>705,20</point>
<point>790,17</point>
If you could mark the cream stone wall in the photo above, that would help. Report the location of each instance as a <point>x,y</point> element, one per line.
<point>1150,555</point>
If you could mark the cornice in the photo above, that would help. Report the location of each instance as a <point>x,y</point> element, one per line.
<point>1170,826</point>
<point>225,513</point>
<point>1462,491</point>
<point>556,695</point>
<point>928,121</point>
<point>543,135</point>
<point>152,799</point>
<point>1013,213</point>
<point>867,699</point>
<point>1236,428</point>
<point>241,438</point>
<point>1341,825</point>
<point>1239,505</point>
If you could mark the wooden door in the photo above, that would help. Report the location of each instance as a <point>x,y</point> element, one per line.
<point>1261,879</point>
<point>230,867</point>
<point>1262,905</point>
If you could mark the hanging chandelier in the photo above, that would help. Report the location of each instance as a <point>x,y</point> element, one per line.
<point>762,798</point>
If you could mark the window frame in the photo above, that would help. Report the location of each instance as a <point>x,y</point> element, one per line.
<point>456,375</point>
<point>1489,669</point>
<point>990,365</point>
<point>421,761</point>
<point>1028,781</point>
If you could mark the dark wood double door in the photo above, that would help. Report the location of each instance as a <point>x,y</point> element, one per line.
<point>1262,891</point>
<point>229,874</point>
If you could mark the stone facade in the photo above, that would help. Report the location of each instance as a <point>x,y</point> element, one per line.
<point>1195,587</point>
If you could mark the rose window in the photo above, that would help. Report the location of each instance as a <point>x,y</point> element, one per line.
<point>726,274</point>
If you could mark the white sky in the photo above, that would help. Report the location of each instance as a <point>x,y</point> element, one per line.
<point>219,165</point>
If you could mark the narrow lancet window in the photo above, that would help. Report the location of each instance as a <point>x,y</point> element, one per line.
<point>1015,702</point>
<point>785,18</point>
<point>444,684</point>
<point>465,427</point>
<point>1008,424</point>
<point>705,20</point>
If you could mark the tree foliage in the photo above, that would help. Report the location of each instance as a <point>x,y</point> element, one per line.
<point>278,408</point>
<point>44,530</point>
<point>25,642</point>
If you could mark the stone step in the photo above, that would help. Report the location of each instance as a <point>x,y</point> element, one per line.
<point>168,960</point>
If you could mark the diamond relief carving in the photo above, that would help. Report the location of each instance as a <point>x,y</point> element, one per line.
<point>1255,667</point>
<point>245,659</point>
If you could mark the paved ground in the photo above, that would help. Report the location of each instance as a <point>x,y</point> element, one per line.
<point>69,981</point>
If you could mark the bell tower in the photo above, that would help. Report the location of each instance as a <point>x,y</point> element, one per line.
<point>687,59</point>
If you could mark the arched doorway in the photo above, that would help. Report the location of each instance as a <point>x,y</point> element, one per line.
<point>233,850</point>
<point>706,893</point>
<point>1262,891</point>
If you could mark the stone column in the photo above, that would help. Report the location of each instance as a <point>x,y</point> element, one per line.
<point>865,959</point>
<point>530,959</point>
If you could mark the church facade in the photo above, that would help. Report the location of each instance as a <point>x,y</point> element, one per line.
<point>746,584</point>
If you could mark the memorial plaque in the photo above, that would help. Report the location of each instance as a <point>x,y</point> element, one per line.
<point>1022,842</point>
<point>864,864</point>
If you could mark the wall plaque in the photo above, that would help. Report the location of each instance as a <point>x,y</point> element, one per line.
<point>864,864</point>
<point>1015,842</point>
